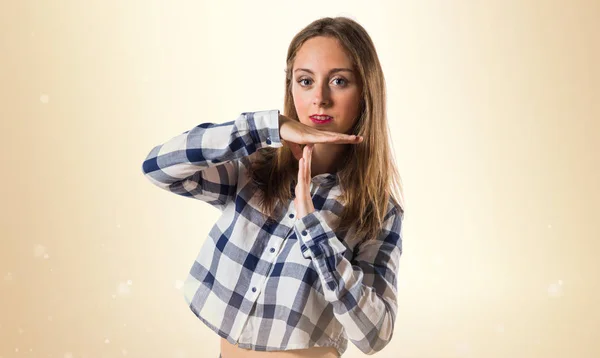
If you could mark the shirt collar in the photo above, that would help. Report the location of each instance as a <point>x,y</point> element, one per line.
<point>325,178</point>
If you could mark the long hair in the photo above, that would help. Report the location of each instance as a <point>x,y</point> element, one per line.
<point>368,178</point>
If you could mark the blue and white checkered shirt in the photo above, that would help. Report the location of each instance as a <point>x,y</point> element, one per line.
<point>288,283</point>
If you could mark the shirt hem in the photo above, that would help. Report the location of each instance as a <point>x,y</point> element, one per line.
<point>334,344</point>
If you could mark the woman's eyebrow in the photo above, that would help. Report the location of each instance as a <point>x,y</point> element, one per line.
<point>333,70</point>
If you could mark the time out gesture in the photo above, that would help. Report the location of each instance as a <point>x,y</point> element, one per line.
<point>301,139</point>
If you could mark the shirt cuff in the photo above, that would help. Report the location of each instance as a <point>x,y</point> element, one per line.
<point>316,237</point>
<point>267,125</point>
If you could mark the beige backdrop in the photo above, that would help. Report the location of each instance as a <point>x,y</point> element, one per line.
<point>494,110</point>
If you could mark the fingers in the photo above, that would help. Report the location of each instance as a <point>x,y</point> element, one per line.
<point>293,132</point>
<point>296,147</point>
<point>336,138</point>
<point>306,160</point>
<point>304,165</point>
<point>344,138</point>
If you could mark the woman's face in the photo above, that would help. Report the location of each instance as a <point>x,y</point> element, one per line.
<point>324,83</point>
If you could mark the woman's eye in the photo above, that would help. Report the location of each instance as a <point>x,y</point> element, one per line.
<point>341,79</point>
<point>342,82</point>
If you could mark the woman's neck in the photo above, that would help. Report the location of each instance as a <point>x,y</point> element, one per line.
<point>326,158</point>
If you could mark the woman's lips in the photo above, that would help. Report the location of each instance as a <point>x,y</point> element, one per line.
<point>321,119</point>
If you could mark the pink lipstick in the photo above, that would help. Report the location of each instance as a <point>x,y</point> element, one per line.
<point>320,119</point>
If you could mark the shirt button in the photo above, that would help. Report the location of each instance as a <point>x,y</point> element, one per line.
<point>272,249</point>
<point>304,233</point>
<point>253,289</point>
<point>291,215</point>
<point>268,141</point>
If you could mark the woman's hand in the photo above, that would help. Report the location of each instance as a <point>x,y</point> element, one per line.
<point>294,134</point>
<point>303,201</point>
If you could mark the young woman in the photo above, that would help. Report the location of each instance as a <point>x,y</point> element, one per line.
<point>305,254</point>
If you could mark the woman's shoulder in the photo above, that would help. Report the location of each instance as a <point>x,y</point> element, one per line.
<point>395,207</point>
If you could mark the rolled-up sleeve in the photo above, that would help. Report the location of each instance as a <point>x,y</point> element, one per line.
<point>363,291</point>
<point>203,162</point>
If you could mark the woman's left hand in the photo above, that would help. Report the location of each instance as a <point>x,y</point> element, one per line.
<point>303,201</point>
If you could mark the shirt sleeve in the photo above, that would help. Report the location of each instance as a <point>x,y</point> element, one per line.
<point>203,162</point>
<point>363,291</point>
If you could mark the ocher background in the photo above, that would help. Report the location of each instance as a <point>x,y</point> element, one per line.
<point>494,113</point>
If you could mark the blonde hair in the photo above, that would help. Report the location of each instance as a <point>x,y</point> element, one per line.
<point>365,196</point>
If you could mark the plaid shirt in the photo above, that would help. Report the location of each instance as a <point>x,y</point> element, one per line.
<point>288,283</point>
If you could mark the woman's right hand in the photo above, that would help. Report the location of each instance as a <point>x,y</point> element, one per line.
<point>295,134</point>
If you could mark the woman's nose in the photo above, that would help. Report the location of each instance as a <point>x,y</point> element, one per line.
<point>321,95</point>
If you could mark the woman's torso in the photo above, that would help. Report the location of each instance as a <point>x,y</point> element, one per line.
<point>229,350</point>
